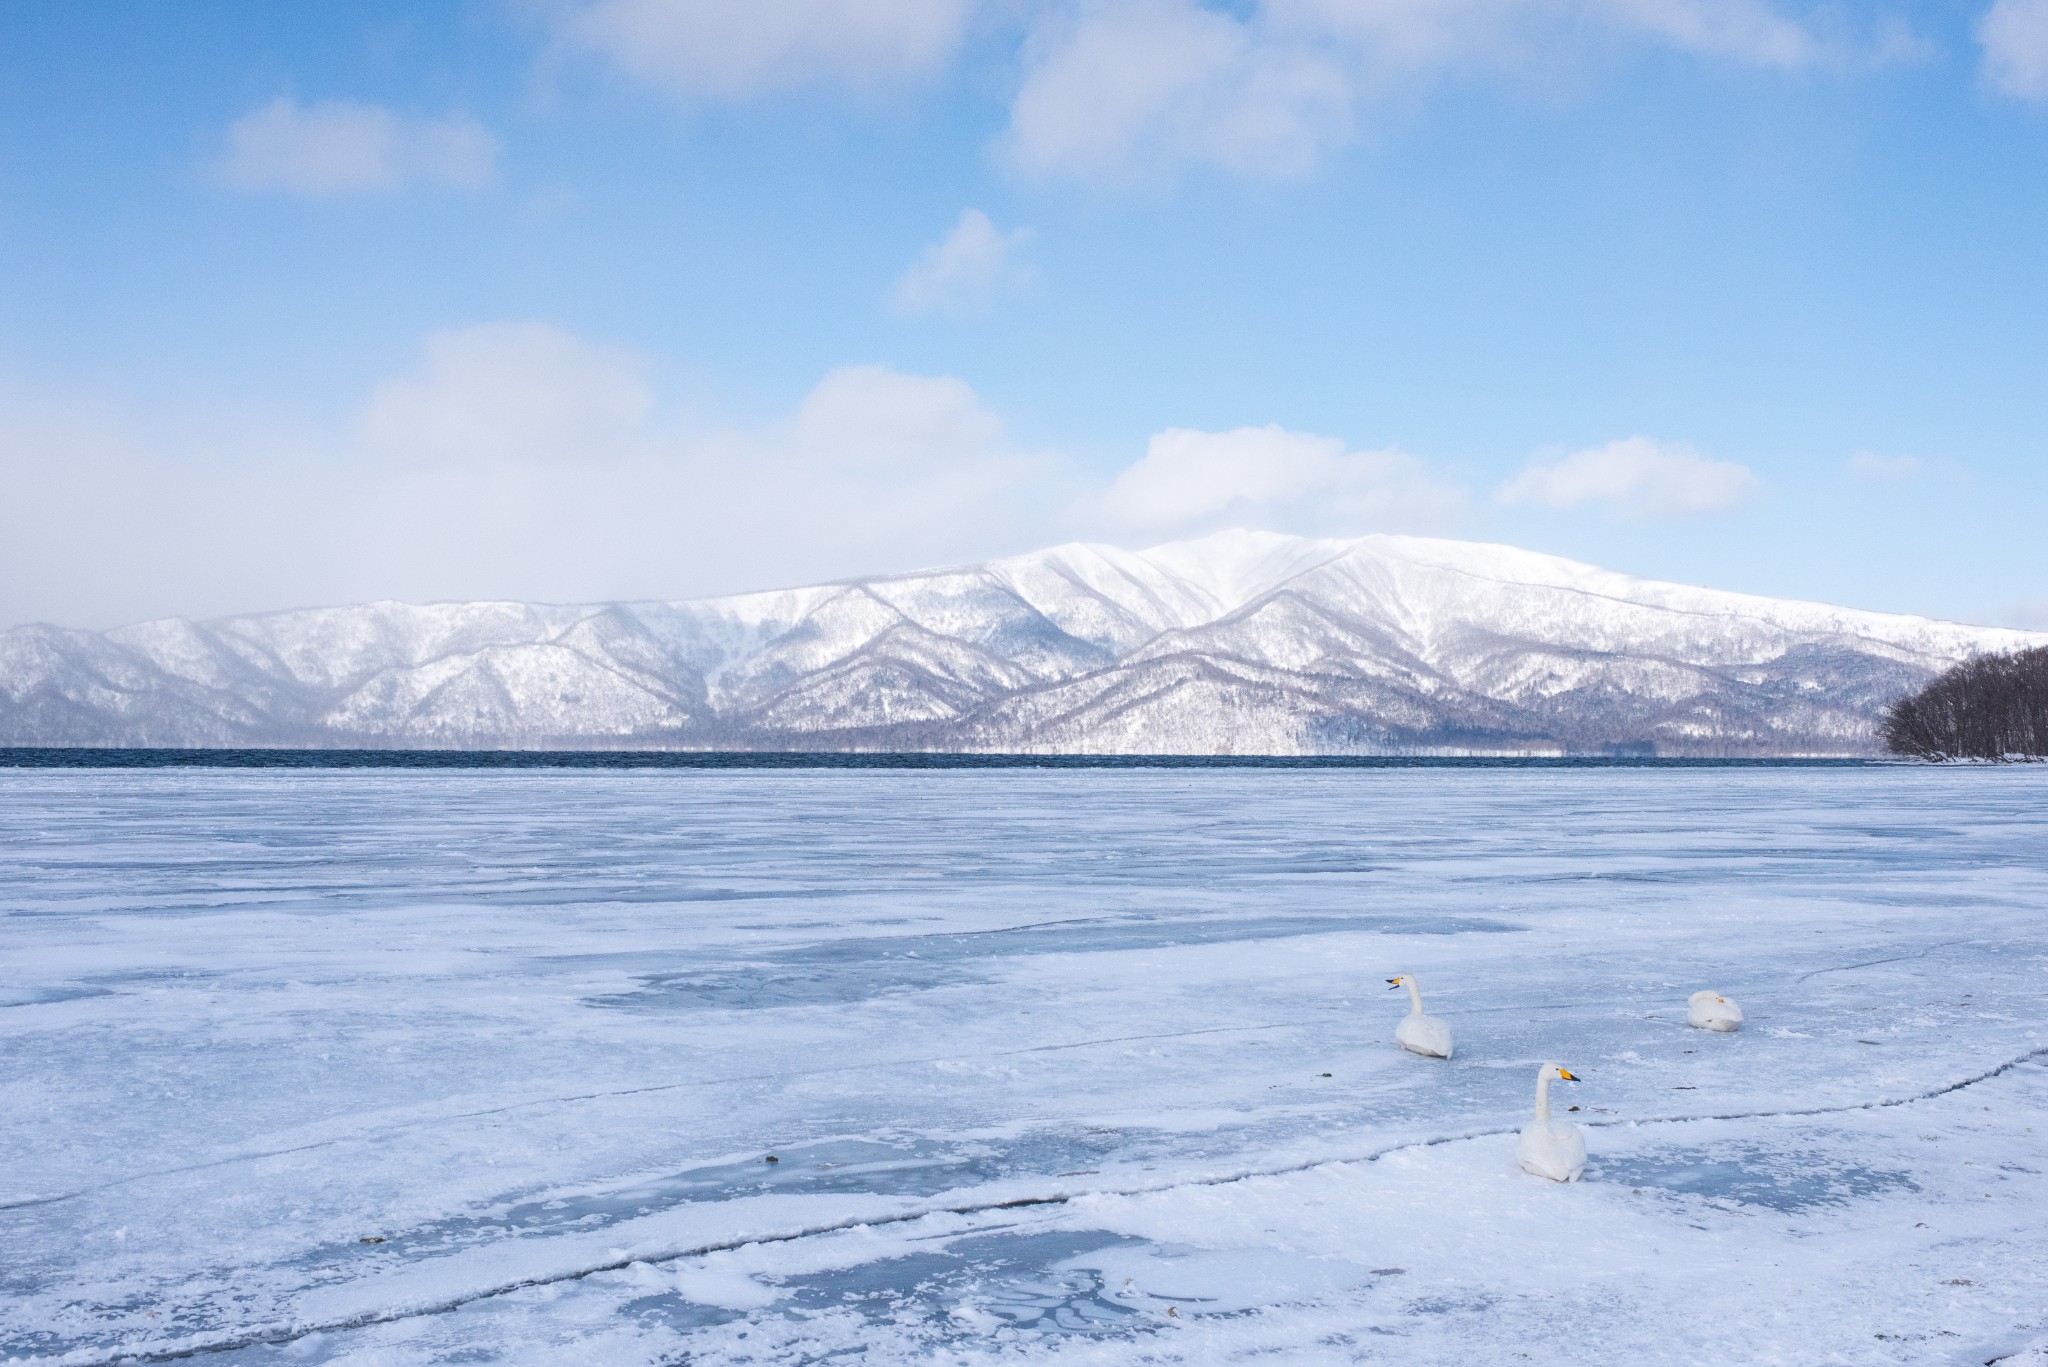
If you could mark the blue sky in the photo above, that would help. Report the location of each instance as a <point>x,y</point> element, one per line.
<point>577,299</point>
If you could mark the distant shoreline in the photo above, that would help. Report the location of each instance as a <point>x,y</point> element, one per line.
<point>82,757</point>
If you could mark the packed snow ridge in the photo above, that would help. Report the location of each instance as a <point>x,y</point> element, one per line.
<point>1238,643</point>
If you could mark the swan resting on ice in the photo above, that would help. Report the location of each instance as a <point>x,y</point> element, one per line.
<point>1709,1010</point>
<point>1551,1148</point>
<point>1417,1033</point>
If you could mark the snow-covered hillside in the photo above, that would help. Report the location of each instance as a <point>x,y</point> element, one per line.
<point>1242,642</point>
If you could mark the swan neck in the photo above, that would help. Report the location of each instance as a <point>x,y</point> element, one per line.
<point>1415,997</point>
<point>1543,1095</point>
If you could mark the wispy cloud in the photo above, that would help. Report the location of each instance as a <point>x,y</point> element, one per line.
<point>963,269</point>
<point>1163,82</point>
<point>519,460</point>
<point>1636,477</point>
<point>506,460</point>
<point>2014,34</point>
<point>1276,479</point>
<point>727,50</point>
<point>507,392</point>
<point>338,148</point>
<point>1269,88</point>
<point>1117,88</point>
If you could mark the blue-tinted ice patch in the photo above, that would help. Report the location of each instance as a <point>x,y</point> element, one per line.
<point>1059,1281</point>
<point>903,1166</point>
<point>1191,1281</point>
<point>839,972</point>
<point>1788,1180</point>
<point>1031,1279</point>
<point>966,1285</point>
<point>43,996</point>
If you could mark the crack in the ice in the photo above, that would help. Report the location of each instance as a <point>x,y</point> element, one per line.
<point>399,1127</point>
<point>1845,968</point>
<point>2021,1351</point>
<point>367,1319</point>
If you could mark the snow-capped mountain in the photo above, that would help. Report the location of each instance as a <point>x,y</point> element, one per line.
<point>1239,643</point>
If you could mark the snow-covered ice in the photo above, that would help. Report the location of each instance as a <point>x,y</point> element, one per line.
<point>1077,1067</point>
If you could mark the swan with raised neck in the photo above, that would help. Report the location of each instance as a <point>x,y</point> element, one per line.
<point>1418,1033</point>
<point>1552,1149</point>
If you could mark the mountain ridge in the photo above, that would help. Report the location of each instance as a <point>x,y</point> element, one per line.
<point>1240,642</point>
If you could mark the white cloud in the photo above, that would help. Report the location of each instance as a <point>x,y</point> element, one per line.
<point>513,460</point>
<point>1392,40</point>
<point>1269,89</point>
<point>559,442</point>
<point>519,461</point>
<point>963,269</point>
<point>734,49</point>
<point>1890,469</point>
<point>872,418</point>
<point>2015,38</point>
<point>1162,81</point>
<point>511,391</point>
<point>1273,478</point>
<point>1636,477</point>
<point>1747,31</point>
<point>878,469</point>
<point>340,148</point>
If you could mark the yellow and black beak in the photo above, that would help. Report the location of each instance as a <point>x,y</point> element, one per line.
<point>1393,983</point>
<point>1568,1075</point>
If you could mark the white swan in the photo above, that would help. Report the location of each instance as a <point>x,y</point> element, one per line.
<point>1551,1148</point>
<point>1709,1010</point>
<point>1417,1033</point>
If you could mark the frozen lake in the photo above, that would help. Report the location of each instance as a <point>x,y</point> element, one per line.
<point>1080,1067</point>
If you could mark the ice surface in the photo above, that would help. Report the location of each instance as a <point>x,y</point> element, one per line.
<point>1078,1067</point>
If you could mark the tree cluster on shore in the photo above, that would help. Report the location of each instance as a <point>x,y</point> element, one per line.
<point>1988,707</point>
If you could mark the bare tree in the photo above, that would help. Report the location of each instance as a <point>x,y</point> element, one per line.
<point>1987,707</point>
